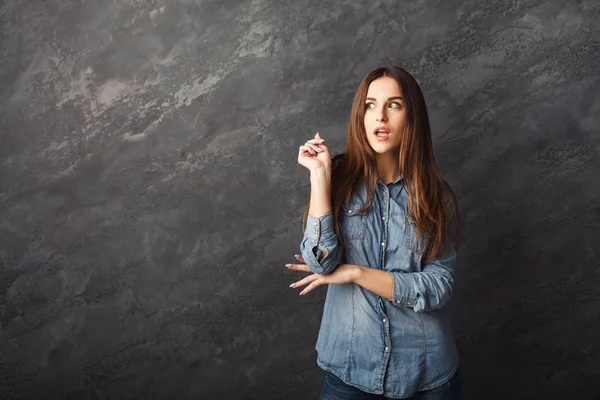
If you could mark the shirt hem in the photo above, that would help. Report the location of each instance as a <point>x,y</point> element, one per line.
<point>364,389</point>
<point>440,382</point>
<point>387,394</point>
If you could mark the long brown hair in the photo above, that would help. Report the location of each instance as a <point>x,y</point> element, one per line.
<point>432,204</point>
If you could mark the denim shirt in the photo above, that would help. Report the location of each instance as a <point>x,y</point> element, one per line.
<point>396,346</point>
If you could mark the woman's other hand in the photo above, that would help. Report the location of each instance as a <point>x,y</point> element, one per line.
<point>344,273</point>
<point>314,154</point>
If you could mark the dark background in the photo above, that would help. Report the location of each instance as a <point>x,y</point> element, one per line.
<point>150,193</point>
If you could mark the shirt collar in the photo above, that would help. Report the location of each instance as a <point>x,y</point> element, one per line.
<point>398,179</point>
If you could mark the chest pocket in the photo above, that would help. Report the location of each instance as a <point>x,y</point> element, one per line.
<point>352,224</point>
<point>410,236</point>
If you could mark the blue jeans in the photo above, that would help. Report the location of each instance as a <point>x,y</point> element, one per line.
<point>335,389</point>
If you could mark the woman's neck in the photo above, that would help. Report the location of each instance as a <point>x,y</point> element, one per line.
<point>388,167</point>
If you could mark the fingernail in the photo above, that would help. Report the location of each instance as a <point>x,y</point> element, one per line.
<point>292,285</point>
<point>296,255</point>
<point>288,265</point>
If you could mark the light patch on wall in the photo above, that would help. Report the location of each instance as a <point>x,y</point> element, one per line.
<point>134,138</point>
<point>257,41</point>
<point>129,137</point>
<point>543,79</point>
<point>154,13</point>
<point>171,58</point>
<point>27,77</point>
<point>113,90</point>
<point>188,93</point>
<point>547,21</point>
<point>466,76</point>
<point>233,138</point>
<point>79,87</point>
<point>58,174</point>
<point>55,146</point>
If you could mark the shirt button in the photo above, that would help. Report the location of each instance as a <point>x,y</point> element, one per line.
<point>383,244</point>
<point>386,348</point>
<point>384,320</point>
<point>383,218</point>
<point>397,301</point>
<point>315,224</point>
<point>349,211</point>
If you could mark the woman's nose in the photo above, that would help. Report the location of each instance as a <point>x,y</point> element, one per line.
<point>381,117</point>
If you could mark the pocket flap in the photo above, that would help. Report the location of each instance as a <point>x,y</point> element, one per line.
<point>352,208</point>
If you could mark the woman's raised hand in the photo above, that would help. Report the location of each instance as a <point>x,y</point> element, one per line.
<point>315,154</point>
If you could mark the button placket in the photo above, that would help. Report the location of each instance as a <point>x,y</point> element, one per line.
<point>384,231</point>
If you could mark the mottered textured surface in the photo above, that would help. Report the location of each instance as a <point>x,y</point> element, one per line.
<point>150,193</point>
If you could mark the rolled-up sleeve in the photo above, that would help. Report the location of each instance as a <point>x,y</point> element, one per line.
<point>429,289</point>
<point>319,246</point>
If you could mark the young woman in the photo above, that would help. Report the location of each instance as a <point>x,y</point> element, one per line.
<point>381,229</point>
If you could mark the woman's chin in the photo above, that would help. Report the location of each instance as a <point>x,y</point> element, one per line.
<point>380,150</point>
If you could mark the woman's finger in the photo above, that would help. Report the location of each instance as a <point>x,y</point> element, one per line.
<point>307,149</point>
<point>323,145</point>
<point>317,282</point>
<point>299,258</point>
<point>306,280</point>
<point>298,267</point>
<point>315,147</point>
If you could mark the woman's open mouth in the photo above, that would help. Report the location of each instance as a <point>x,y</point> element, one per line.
<point>382,133</point>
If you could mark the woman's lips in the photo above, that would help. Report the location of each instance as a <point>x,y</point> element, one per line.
<point>383,136</point>
<point>384,129</point>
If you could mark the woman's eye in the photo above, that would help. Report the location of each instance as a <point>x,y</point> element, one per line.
<point>396,105</point>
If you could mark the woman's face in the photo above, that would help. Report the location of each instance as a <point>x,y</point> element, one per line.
<point>384,109</point>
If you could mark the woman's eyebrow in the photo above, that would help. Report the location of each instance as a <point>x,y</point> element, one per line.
<point>390,98</point>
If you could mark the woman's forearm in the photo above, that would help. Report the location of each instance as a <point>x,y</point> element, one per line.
<point>320,192</point>
<point>375,280</point>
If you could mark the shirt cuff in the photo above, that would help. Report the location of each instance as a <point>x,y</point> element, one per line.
<point>402,297</point>
<point>319,229</point>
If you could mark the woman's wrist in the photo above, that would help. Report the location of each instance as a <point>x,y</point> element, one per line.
<point>356,273</point>
<point>320,192</point>
<point>320,174</point>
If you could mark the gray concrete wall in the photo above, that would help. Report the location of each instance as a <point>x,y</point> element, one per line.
<point>150,194</point>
